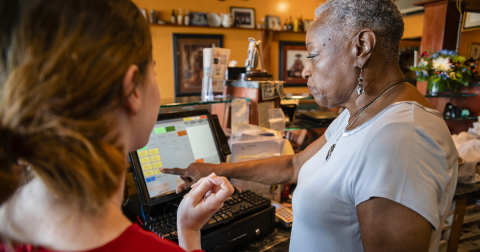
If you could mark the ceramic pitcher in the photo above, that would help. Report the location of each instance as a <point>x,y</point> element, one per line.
<point>227,20</point>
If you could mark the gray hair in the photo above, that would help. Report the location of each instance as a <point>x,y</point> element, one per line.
<point>381,16</point>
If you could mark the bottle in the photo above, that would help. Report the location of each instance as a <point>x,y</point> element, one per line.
<point>180,17</point>
<point>153,16</point>
<point>301,27</point>
<point>172,17</point>
<point>186,18</point>
<point>290,25</point>
<point>295,25</point>
<point>285,25</point>
<point>263,25</point>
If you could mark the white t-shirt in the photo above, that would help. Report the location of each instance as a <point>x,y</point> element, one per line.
<point>405,154</point>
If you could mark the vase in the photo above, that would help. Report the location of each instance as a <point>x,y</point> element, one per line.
<point>437,86</point>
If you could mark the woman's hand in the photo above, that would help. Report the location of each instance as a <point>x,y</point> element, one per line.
<point>191,175</point>
<point>198,206</point>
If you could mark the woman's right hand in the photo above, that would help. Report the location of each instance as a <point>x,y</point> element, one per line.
<point>191,174</point>
<point>198,206</point>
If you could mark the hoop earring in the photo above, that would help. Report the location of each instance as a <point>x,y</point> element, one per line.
<point>360,80</point>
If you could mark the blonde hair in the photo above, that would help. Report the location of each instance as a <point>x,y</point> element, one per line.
<point>61,78</point>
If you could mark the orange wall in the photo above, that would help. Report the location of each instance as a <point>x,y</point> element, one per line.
<point>465,40</point>
<point>234,39</point>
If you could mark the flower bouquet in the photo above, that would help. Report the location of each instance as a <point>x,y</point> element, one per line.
<point>444,71</point>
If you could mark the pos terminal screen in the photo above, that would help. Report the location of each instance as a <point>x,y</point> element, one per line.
<point>176,143</point>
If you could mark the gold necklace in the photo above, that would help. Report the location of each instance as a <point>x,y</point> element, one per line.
<point>330,151</point>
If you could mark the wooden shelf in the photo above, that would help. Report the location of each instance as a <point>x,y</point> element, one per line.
<point>469,118</point>
<point>450,95</point>
<point>221,27</point>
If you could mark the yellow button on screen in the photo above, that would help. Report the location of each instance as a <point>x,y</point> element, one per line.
<point>144,160</point>
<point>155,158</point>
<point>153,151</point>
<point>147,167</point>
<point>148,173</point>
<point>157,172</point>
<point>142,153</point>
<point>157,165</point>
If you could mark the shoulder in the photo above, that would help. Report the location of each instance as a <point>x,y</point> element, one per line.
<point>136,239</point>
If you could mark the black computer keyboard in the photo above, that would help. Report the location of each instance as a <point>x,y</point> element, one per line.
<point>238,205</point>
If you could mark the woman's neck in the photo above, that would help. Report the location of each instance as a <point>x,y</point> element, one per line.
<point>37,217</point>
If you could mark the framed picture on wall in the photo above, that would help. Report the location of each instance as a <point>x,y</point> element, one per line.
<point>293,57</point>
<point>471,21</point>
<point>473,51</point>
<point>188,61</point>
<point>244,17</point>
<point>273,23</point>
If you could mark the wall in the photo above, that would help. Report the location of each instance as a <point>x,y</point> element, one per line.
<point>466,38</point>
<point>235,39</point>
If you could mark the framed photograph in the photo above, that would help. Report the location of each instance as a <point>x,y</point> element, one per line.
<point>188,61</point>
<point>473,51</point>
<point>307,24</point>
<point>198,19</point>
<point>293,57</point>
<point>244,17</point>
<point>273,23</point>
<point>471,21</point>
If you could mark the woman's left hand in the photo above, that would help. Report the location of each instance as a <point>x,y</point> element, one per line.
<point>198,206</point>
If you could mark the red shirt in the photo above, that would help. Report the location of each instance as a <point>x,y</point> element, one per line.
<point>133,239</point>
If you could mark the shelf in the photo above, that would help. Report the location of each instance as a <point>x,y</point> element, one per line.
<point>450,95</point>
<point>469,118</point>
<point>194,100</point>
<point>221,27</point>
<point>304,124</point>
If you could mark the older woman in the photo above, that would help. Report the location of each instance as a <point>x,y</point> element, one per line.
<point>77,93</point>
<point>383,175</point>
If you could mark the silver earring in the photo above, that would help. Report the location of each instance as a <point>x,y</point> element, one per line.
<point>360,80</point>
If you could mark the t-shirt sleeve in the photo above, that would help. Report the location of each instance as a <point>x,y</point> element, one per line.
<point>403,163</point>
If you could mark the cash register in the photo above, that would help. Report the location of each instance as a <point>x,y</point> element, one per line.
<point>177,140</point>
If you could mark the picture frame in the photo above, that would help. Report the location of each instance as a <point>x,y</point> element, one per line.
<point>471,21</point>
<point>307,24</point>
<point>244,17</point>
<point>198,19</point>
<point>273,23</point>
<point>292,60</point>
<point>188,61</point>
<point>473,51</point>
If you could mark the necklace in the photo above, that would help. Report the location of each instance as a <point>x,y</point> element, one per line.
<point>330,151</point>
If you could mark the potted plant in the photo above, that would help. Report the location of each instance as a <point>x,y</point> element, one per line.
<point>444,71</point>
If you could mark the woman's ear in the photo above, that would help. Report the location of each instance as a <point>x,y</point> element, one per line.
<point>364,43</point>
<point>130,92</point>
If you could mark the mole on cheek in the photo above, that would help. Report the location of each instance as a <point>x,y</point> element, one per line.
<point>323,44</point>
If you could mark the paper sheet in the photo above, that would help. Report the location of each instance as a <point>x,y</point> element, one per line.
<point>263,108</point>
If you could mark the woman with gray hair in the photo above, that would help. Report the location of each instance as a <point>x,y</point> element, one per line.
<point>383,176</point>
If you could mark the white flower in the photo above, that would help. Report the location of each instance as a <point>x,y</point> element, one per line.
<point>422,63</point>
<point>441,64</point>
